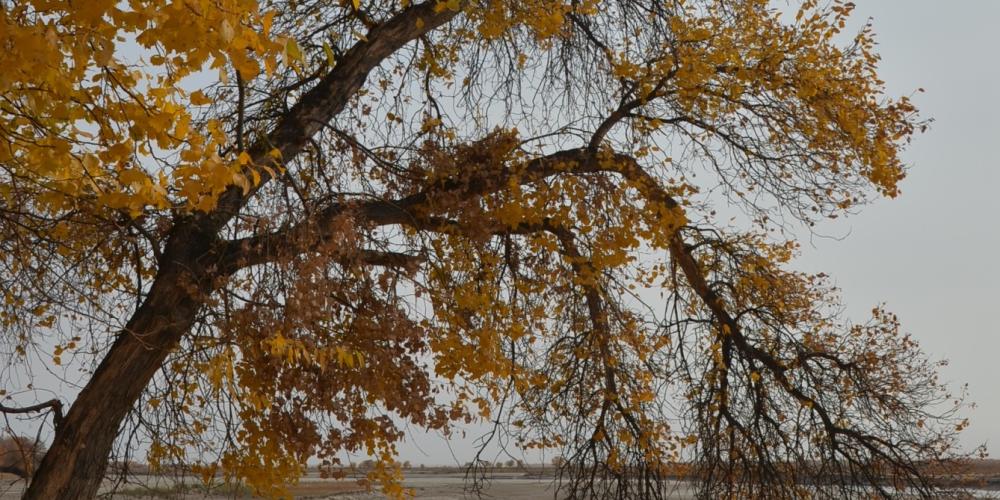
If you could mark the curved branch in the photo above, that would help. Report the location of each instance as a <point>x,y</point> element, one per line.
<point>53,405</point>
<point>266,247</point>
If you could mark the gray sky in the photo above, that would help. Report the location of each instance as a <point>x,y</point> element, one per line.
<point>926,254</point>
<point>929,254</point>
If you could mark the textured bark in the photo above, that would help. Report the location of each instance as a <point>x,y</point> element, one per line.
<point>74,465</point>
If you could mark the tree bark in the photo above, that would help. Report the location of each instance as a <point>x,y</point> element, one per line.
<point>73,467</point>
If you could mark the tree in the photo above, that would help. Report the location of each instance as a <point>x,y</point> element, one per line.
<point>19,454</point>
<point>277,225</point>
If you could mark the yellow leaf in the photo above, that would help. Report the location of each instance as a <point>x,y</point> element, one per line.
<point>198,98</point>
<point>241,181</point>
<point>133,177</point>
<point>292,50</point>
<point>330,59</point>
<point>181,129</point>
<point>267,21</point>
<point>90,163</point>
<point>278,343</point>
<point>227,31</point>
<point>243,159</point>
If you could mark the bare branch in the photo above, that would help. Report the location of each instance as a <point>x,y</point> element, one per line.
<point>53,405</point>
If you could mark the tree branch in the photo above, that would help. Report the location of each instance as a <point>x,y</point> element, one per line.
<point>54,405</point>
<point>323,102</point>
<point>412,210</point>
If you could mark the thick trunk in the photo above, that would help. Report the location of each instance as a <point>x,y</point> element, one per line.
<point>73,467</point>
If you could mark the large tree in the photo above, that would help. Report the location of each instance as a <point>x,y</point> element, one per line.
<point>285,229</point>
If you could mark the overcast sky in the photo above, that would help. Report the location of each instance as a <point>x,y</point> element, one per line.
<point>931,254</point>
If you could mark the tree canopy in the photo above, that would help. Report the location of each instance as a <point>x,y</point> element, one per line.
<point>277,230</point>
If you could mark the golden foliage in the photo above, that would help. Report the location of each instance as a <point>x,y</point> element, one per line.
<point>375,250</point>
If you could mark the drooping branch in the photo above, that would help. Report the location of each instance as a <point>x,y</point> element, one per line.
<point>734,335</point>
<point>413,211</point>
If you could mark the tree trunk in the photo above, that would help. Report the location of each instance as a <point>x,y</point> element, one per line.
<point>74,466</point>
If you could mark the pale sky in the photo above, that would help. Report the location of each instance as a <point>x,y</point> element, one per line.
<point>926,254</point>
<point>931,254</point>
